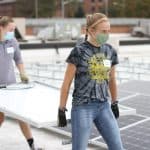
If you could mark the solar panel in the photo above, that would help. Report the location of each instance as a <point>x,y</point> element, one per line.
<point>135,129</point>
<point>134,122</point>
<point>141,103</point>
<point>123,121</point>
<point>37,105</point>
<point>134,126</point>
<point>135,138</point>
<point>135,87</point>
<point>122,94</point>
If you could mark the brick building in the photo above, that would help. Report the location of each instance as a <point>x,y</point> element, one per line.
<point>91,6</point>
<point>88,6</point>
<point>7,7</point>
<point>69,8</point>
<point>58,12</point>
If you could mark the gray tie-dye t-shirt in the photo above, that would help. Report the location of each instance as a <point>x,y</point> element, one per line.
<point>92,75</point>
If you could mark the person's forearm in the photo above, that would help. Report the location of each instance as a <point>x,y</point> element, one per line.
<point>21,68</point>
<point>69,75</point>
<point>63,96</point>
<point>113,89</point>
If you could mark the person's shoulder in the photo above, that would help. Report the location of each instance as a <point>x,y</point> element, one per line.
<point>14,40</point>
<point>13,43</point>
<point>82,46</point>
<point>109,47</point>
<point>80,40</point>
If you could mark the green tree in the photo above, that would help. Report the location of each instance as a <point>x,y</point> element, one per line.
<point>74,8</point>
<point>26,8</point>
<point>143,8</point>
<point>46,8</point>
<point>79,12</point>
<point>129,8</point>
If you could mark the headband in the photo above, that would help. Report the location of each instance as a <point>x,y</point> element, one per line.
<point>98,21</point>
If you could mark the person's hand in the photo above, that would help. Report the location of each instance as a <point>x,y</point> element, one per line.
<point>115,109</point>
<point>62,121</point>
<point>24,78</point>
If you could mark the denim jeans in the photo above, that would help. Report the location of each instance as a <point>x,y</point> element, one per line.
<point>82,118</point>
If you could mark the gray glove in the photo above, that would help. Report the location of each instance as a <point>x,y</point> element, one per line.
<point>24,78</point>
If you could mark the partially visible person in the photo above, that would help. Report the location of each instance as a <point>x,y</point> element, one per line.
<point>9,52</point>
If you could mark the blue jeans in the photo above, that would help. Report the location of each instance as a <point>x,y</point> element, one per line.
<point>100,113</point>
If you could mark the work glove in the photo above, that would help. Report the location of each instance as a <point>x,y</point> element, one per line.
<point>115,109</point>
<point>24,78</point>
<point>62,121</point>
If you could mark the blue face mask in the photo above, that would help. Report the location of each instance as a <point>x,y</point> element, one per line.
<point>9,36</point>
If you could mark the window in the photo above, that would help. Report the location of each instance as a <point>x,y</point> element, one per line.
<point>93,9</point>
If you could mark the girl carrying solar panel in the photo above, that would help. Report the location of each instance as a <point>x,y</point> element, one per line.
<point>9,52</point>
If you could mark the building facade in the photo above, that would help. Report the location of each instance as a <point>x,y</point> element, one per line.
<point>8,8</point>
<point>92,6</point>
<point>70,7</point>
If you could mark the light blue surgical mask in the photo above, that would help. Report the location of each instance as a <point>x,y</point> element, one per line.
<point>9,36</point>
<point>102,38</point>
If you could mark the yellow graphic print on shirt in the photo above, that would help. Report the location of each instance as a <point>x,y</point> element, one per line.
<point>99,67</point>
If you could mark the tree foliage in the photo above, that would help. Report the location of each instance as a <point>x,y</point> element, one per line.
<point>129,8</point>
<point>116,8</point>
<point>26,8</point>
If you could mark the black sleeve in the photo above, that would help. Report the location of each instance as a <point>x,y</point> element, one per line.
<point>73,57</point>
<point>115,59</point>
